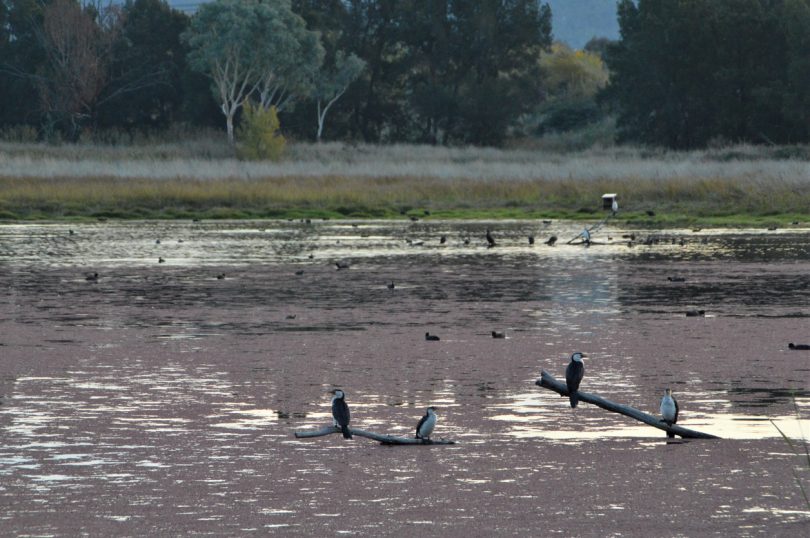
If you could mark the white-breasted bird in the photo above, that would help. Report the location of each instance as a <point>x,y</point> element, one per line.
<point>426,424</point>
<point>573,376</point>
<point>340,413</point>
<point>669,410</point>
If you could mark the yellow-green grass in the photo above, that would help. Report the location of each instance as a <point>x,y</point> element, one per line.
<point>673,202</point>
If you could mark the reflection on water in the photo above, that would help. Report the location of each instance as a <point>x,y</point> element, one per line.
<point>181,383</point>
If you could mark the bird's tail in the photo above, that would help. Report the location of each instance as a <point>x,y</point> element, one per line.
<point>347,433</point>
<point>574,399</point>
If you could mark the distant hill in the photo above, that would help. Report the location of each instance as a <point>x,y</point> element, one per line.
<point>576,21</point>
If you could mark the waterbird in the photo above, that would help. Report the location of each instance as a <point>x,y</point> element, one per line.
<point>551,240</point>
<point>342,264</point>
<point>94,278</point>
<point>531,239</point>
<point>431,337</point>
<point>221,276</point>
<point>695,313</point>
<point>669,410</point>
<point>340,413</point>
<point>586,236</point>
<point>161,260</point>
<point>443,239</point>
<point>650,213</point>
<point>391,285</point>
<point>676,279</point>
<point>299,272</point>
<point>426,424</point>
<point>71,232</point>
<point>496,334</point>
<point>490,239</point>
<point>614,207</point>
<point>157,241</point>
<point>799,347</point>
<point>573,376</point>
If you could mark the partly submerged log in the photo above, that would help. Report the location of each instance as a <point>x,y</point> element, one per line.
<point>548,381</point>
<point>383,439</point>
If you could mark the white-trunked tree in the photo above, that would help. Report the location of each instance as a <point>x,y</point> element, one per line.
<point>247,47</point>
<point>332,83</point>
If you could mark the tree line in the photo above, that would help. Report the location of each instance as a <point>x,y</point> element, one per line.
<point>684,73</point>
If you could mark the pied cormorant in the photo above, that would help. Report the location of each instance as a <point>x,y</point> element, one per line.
<point>573,376</point>
<point>340,413</point>
<point>669,410</point>
<point>426,424</point>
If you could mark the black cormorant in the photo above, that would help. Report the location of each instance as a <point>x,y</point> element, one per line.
<point>573,376</point>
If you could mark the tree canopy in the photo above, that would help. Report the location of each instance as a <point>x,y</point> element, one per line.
<point>688,72</point>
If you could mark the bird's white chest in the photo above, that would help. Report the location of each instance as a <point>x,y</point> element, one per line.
<point>427,426</point>
<point>668,408</point>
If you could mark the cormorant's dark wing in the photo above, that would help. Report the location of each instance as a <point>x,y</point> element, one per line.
<point>341,412</point>
<point>573,375</point>
<point>421,421</point>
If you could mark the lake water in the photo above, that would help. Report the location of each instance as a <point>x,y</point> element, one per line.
<point>163,397</point>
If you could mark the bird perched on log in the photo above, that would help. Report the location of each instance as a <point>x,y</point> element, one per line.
<point>431,337</point>
<point>490,239</point>
<point>551,240</point>
<point>426,424</point>
<point>586,237</point>
<point>573,376</point>
<point>340,413</point>
<point>669,410</point>
<point>496,334</point>
<point>802,347</point>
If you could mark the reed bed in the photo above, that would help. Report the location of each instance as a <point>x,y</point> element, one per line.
<point>171,180</point>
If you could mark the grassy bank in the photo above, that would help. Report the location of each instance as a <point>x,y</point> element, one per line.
<point>735,186</point>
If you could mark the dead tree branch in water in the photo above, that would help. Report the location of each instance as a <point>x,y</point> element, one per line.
<point>383,439</point>
<point>547,381</point>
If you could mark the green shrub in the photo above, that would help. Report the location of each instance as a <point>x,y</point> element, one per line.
<point>258,134</point>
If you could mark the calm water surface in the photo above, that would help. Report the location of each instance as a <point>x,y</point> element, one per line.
<point>163,397</point>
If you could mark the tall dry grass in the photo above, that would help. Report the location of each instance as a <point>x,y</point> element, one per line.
<point>202,176</point>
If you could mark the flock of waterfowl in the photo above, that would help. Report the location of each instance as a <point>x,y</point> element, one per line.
<point>575,370</point>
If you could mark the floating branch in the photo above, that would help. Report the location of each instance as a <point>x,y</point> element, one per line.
<point>383,439</point>
<point>547,381</point>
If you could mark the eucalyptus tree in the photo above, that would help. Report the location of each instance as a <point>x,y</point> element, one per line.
<point>293,56</point>
<point>224,38</point>
<point>332,83</point>
<point>248,47</point>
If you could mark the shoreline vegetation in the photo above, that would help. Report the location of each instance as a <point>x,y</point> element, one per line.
<point>202,179</point>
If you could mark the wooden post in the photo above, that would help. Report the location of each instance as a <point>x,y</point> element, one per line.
<point>383,439</point>
<point>547,381</point>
